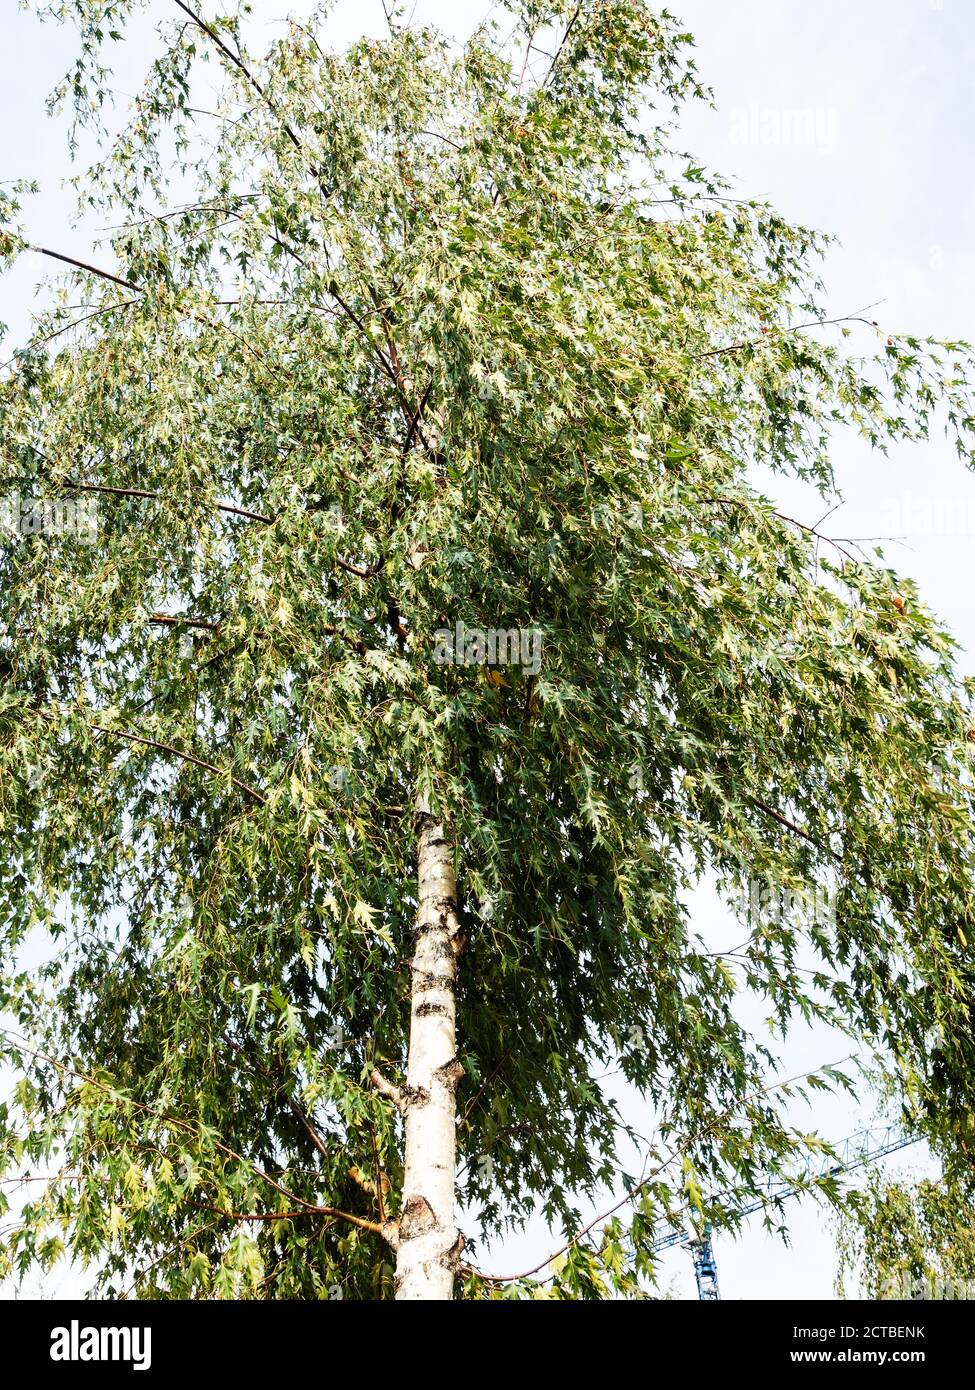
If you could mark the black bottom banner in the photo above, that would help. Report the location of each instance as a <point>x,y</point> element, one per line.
<point>172,1339</point>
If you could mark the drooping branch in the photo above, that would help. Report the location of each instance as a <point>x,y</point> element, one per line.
<point>20,1044</point>
<point>782,331</point>
<point>180,753</point>
<point>228,508</point>
<point>308,1127</point>
<point>76,323</point>
<point>130,737</point>
<point>194,314</point>
<point>646,1182</point>
<point>242,67</point>
<point>791,825</point>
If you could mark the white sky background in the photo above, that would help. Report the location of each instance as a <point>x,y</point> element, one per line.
<point>887,90</point>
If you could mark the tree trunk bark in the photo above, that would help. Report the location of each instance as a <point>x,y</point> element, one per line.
<point>429,1243</point>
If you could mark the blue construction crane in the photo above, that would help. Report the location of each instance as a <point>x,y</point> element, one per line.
<point>866,1146</point>
<point>705,1268</point>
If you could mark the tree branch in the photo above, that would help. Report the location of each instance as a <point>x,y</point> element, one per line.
<point>164,620</point>
<point>565,38</point>
<point>242,67</point>
<point>84,265</point>
<point>795,328</point>
<point>309,1128</point>
<point>376,1227</point>
<point>178,753</point>
<point>388,1091</point>
<point>791,825</point>
<point>649,1179</point>
<point>230,509</point>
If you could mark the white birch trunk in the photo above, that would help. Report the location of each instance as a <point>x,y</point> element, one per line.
<point>429,1244</point>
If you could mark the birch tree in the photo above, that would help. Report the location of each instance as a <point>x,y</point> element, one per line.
<point>393,633</point>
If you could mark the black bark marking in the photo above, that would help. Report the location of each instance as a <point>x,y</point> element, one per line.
<point>424,1010</point>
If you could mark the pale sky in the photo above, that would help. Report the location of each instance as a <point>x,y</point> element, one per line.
<point>854,116</point>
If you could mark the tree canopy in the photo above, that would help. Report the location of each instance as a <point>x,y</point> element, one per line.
<point>383,341</point>
<point>910,1239</point>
